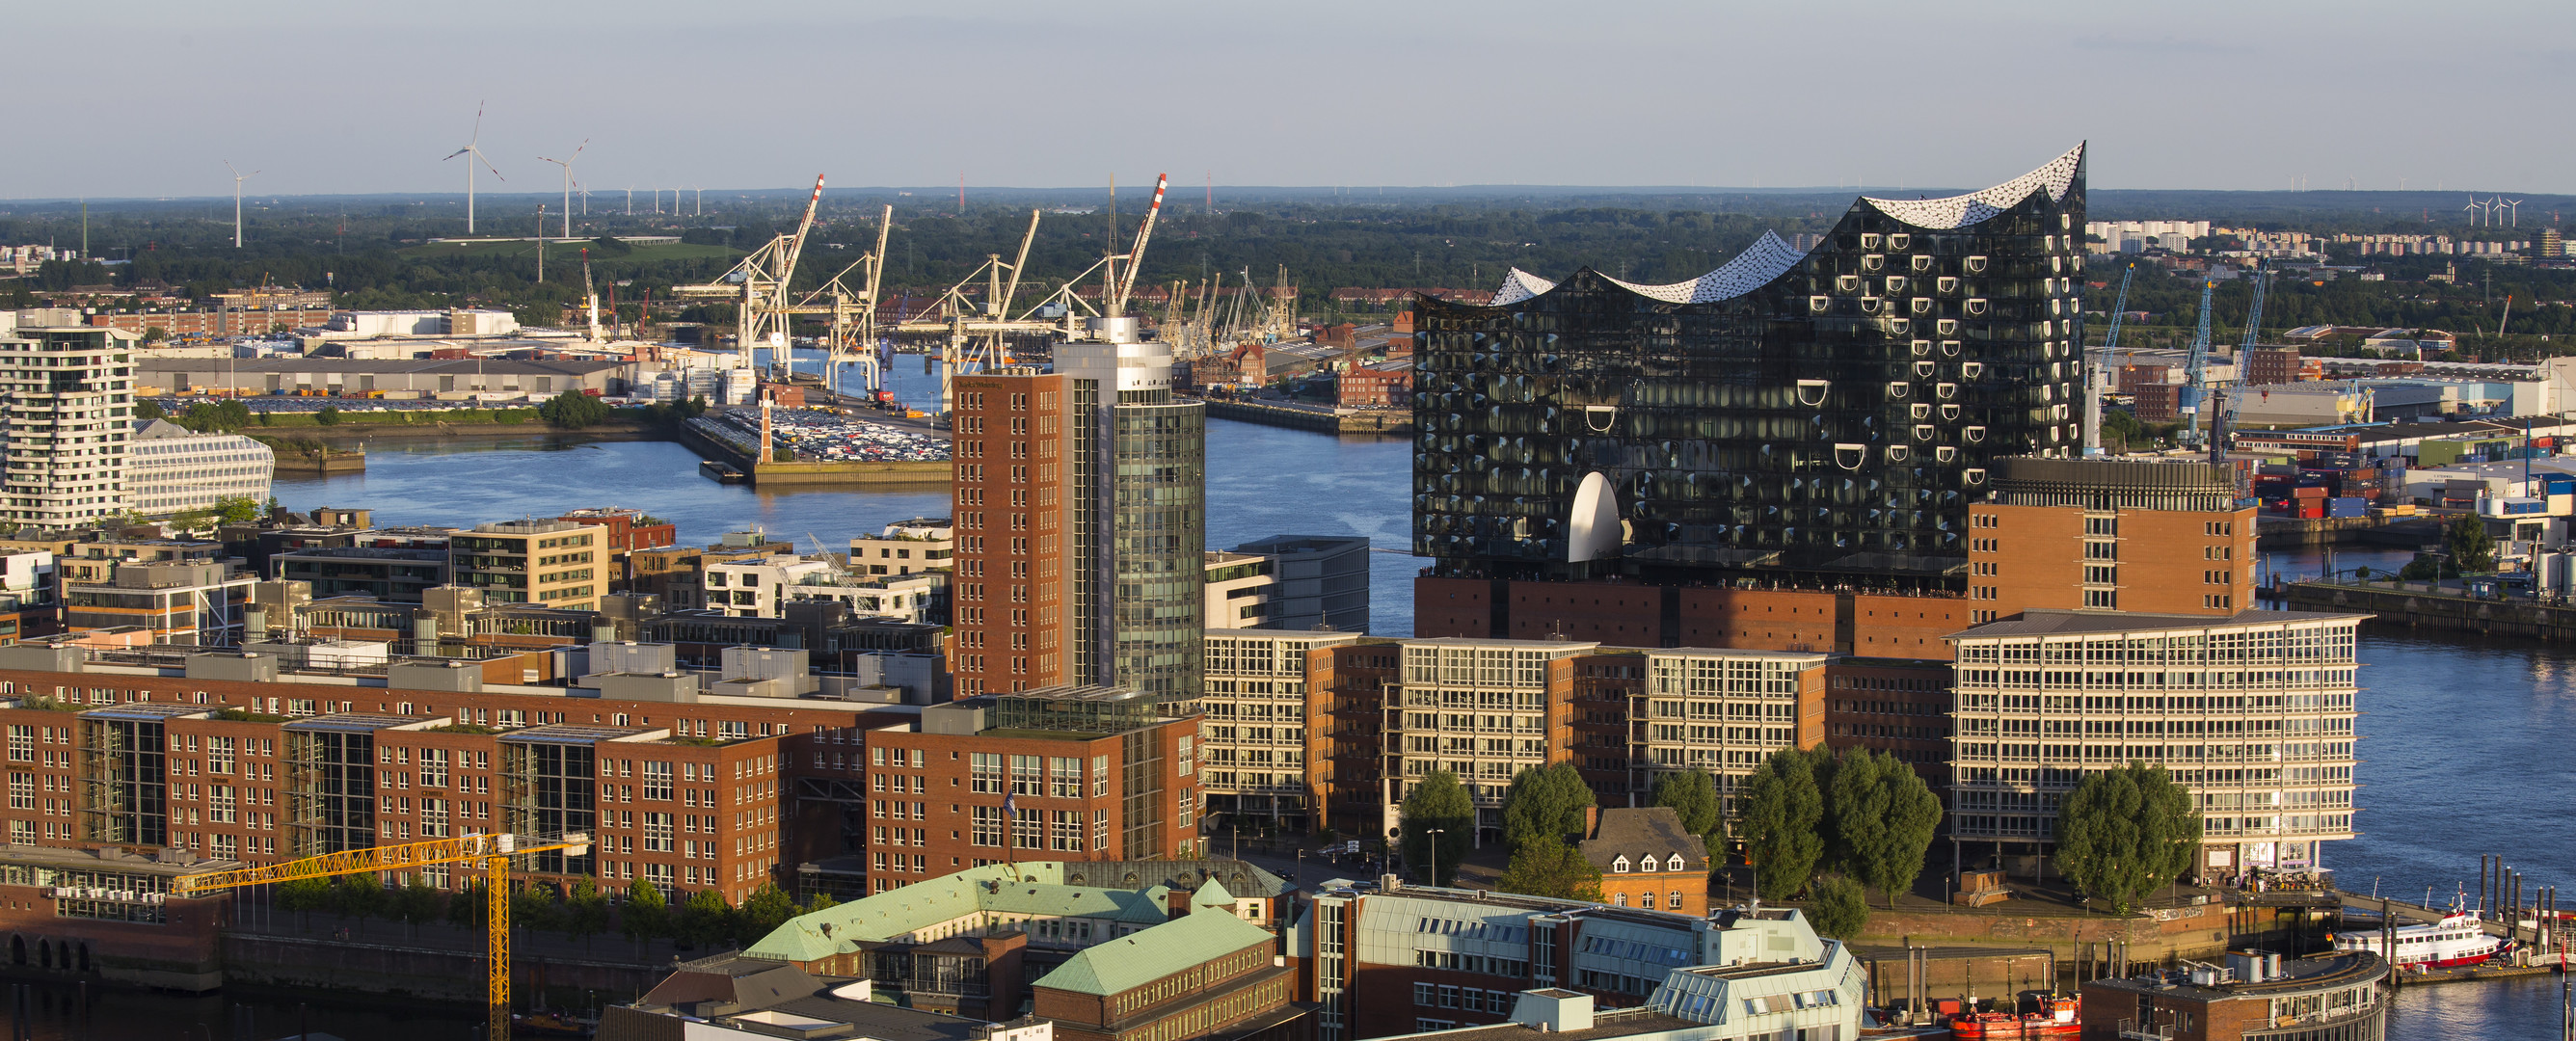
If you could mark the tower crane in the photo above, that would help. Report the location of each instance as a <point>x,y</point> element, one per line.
<point>2099,382</point>
<point>491,852</point>
<point>760,281</point>
<point>2195,385</point>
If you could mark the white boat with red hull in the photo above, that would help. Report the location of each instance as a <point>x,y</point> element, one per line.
<point>2458,939</point>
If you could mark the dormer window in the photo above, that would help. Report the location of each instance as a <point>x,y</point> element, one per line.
<point>1619,866</point>
<point>1675,864</point>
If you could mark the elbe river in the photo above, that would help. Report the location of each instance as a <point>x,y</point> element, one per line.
<point>2468,746</point>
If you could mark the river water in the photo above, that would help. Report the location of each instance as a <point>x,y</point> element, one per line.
<point>2465,743</point>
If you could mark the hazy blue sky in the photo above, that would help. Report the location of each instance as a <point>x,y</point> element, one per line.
<point>148,96</point>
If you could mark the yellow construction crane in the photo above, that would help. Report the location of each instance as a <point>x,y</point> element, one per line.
<point>493,852</point>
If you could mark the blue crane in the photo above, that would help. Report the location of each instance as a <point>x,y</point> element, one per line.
<point>2223,415</point>
<point>2101,379</point>
<point>2195,384</point>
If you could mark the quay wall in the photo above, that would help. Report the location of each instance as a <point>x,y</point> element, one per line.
<point>2420,606</point>
<point>1369,421</point>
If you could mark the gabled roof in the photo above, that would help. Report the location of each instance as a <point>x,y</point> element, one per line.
<point>1959,211</point>
<point>1140,958</point>
<point>1654,831</point>
<point>1043,888</point>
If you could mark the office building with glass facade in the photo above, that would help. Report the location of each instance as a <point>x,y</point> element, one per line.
<point>1816,416</point>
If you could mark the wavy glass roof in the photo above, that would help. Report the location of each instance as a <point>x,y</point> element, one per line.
<point>1959,211</point>
<point>1769,257</point>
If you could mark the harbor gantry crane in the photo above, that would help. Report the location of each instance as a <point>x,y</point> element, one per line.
<point>2223,415</point>
<point>2100,381</point>
<point>2195,384</point>
<point>490,852</point>
<point>760,283</point>
<point>976,334</point>
<point>852,313</point>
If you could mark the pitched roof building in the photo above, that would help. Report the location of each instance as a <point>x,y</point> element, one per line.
<point>1647,859</point>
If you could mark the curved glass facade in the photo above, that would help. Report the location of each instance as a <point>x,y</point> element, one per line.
<point>1836,418</point>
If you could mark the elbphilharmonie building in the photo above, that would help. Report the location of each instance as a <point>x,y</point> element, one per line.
<point>1805,415</point>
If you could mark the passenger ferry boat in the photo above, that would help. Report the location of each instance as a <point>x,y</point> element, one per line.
<point>2458,939</point>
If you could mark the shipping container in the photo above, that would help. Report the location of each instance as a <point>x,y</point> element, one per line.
<point>2308,491</point>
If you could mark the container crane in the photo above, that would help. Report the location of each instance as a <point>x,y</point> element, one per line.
<point>760,281</point>
<point>2099,380</point>
<point>2195,385</point>
<point>491,852</point>
<point>2223,415</point>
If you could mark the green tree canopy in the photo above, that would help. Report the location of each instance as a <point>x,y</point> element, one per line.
<point>1782,823</point>
<point>705,918</point>
<point>2472,549</point>
<point>327,415</point>
<point>146,408</point>
<point>1693,795</point>
<point>533,909</point>
<point>465,907</point>
<point>1549,866</point>
<point>585,911</point>
<point>358,896</point>
<point>2122,833</point>
<point>1839,907</point>
<point>766,909</point>
<point>1883,818</point>
<point>573,410</point>
<point>1545,802</point>
<point>240,509</point>
<point>644,914</point>
<point>1437,803</point>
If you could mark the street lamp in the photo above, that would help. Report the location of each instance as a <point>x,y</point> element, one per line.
<point>1300,877</point>
<point>1432,846</point>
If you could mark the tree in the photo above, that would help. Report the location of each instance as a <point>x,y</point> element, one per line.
<point>1437,803</point>
<point>1839,908</point>
<point>819,901</point>
<point>328,415</point>
<point>573,410</point>
<point>148,409</point>
<point>416,903</point>
<point>705,919</point>
<point>1545,802</point>
<point>1883,816</point>
<point>766,909</point>
<point>153,334</point>
<point>1548,866</point>
<point>1693,795</point>
<point>533,909</point>
<point>240,509</point>
<point>645,913</point>
<point>1783,823</point>
<point>585,912</point>
<point>2472,549</point>
<point>358,896</point>
<point>305,896</point>
<point>2122,833</point>
<point>465,909</point>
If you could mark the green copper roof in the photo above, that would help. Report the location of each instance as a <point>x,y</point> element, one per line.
<point>1033,888</point>
<point>1212,893</point>
<point>1134,960</point>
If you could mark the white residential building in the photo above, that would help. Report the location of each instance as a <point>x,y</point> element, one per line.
<point>65,393</point>
<point>171,469</point>
<point>2254,714</point>
<point>905,547</point>
<point>756,588</point>
<point>1257,749</point>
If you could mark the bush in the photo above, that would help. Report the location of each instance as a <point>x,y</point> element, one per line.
<point>327,415</point>
<point>574,410</point>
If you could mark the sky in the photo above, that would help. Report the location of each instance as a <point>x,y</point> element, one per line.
<point>340,98</point>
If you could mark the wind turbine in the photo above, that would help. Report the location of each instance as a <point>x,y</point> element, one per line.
<point>2475,208</point>
<point>473,147</point>
<point>2512,207</point>
<point>238,178</point>
<point>630,200</point>
<point>567,184</point>
<point>698,200</point>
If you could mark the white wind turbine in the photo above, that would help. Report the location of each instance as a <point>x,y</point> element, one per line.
<point>2513,207</point>
<point>238,178</point>
<point>473,147</point>
<point>567,184</point>
<point>2476,209</point>
<point>698,200</point>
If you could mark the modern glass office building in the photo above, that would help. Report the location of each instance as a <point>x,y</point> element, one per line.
<point>1816,416</point>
